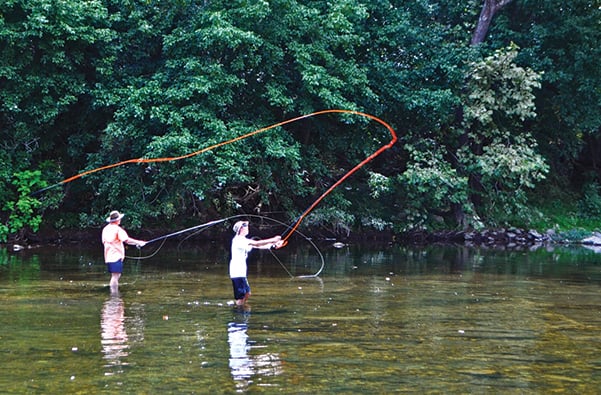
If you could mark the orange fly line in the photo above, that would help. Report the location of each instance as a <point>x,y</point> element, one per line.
<point>242,137</point>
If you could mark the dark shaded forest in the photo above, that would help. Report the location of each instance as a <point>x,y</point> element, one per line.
<point>496,104</point>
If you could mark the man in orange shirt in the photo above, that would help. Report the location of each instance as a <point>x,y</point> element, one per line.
<point>113,237</point>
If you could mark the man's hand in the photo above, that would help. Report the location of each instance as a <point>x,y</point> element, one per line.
<point>278,244</point>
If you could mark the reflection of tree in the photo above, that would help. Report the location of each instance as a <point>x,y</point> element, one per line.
<point>244,366</point>
<point>21,268</point>
<point>114,336</point>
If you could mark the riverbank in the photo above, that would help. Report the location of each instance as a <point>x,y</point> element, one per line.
<point>506,238</point>
<point>511,238</point>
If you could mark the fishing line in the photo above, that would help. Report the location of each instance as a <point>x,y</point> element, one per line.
<point>270,251</point>
<point>196,233</point>
<point>349,173</point>
<point>281,264</point>
<point>165,237</point>
<point>140,257</point>
<point>291,229</point>
<point>242,137</point>
<point>207,225</point>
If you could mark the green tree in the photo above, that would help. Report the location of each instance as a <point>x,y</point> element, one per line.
<point>122,79</point>
<point>490,158</point>
<point>47,54</point>
<point>500,154</point>
<point>562,39</point>
<point>24,210</point>
<point>214,71</point>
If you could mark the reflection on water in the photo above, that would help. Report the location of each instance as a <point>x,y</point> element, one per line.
<point>114,336</point>
<point>115,340</point>
<point>242,364</point>
<point>434,319</point>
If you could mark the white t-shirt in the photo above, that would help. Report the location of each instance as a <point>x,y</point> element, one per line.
<point>240,249</point>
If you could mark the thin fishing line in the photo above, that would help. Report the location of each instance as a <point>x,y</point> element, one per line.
<point>206,225</point>
<point>196,233</point>
<point>281,264</point>
<point>165,237</point>
<point>140,257</point>
<point>199,231</point>
<point>308,239</point>
<point>350,172</point>
<point>287,235</point>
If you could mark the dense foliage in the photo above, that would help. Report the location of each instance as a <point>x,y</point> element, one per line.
<point>484,127</point>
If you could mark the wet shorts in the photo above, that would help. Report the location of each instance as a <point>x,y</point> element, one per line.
<point>115,267</point>
<point>241,287</point>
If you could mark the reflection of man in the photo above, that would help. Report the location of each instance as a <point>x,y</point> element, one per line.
<point>240,362</point>
<point>114,336</point>
<point>242,365</point>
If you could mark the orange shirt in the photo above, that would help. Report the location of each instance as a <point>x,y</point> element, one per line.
<point>113,237</point>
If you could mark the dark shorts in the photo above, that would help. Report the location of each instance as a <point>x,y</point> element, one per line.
<point>241,287</point>
<point>115,267</point>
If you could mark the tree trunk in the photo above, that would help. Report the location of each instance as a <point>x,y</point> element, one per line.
<point>489,9</point>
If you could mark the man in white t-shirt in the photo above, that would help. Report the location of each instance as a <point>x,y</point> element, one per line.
<point>241,245</point>
<point>113,237</point>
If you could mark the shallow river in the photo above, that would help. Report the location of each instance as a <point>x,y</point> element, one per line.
<point>437,319</point>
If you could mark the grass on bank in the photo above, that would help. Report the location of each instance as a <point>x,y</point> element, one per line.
<point>574,216</point>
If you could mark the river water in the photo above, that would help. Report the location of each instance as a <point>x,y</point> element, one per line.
<point>393,319</point>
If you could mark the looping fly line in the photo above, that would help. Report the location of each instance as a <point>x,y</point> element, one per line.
<point>245,136</point>
<point>207,225</point>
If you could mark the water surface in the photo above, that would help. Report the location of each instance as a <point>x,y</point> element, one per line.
<point>437,319</point>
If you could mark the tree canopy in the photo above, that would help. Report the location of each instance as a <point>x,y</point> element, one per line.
<point>487,113</point>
